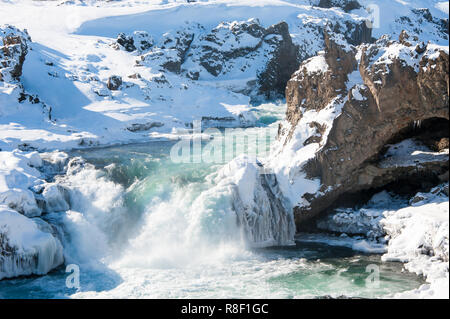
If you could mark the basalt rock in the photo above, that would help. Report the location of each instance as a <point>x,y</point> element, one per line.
<point>313,88</point>
<point>170,53</point>
<point>234,47</point>
<point>385,96</point>
<point>14,47</point>
<point>139,41</point>
<point>114,82</point>
<point>346,5</point>
<point>284,61</point>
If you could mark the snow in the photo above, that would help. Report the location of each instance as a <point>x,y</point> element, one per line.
<point>286,160</point>
<point>405,53</point>
<point>356,93</point>
<point>316,64</point>
<point>390,22</point>
<point>17,176</point>
<point>411,153</point>
<point>443,6</point>
<point>265,222</point>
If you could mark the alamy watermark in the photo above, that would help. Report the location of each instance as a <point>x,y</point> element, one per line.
<point>220,146</point>
<point>73,279</point>
<point>373,20</point>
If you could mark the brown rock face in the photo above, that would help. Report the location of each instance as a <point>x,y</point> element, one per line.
<point>400,84</point>
<point>13,49</point>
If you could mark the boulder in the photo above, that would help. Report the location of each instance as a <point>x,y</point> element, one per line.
<point>13,49</point>
<point>114,83</point>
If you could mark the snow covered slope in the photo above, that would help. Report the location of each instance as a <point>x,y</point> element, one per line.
<point>28,246</point>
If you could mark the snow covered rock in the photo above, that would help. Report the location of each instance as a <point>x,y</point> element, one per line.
<point>170,52</point>
<point>416,232</point>
<point>18,174</point>
<point>56,198</point>
<point>242,50</point>
<point>114,82</point>
<point>379,92</point>
<point>263,213</point>
<point>139,41</point>
<point>13,49</point>
<point>346,5</point>
<point>27,246</point>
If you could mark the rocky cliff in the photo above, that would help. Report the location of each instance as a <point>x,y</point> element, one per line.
<point>13,49</point>
<point>264,58</point>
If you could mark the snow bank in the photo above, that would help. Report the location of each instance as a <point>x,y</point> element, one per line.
<point>414,232</point>
<point>419,237</point>
<point>27,245</point>
<point>72,53</point>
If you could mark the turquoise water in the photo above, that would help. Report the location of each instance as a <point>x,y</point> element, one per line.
<point>146,227</point>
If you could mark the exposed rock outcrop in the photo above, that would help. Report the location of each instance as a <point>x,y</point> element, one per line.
<point>346,5</point>
<point>241,56</point>
<point>381,89</point>
<point>284,61</point>
<point>13,49</point>
<point>139,41</point>
<point>141,127</point>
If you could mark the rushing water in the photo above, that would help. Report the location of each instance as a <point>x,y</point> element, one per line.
<point>143,226</point>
